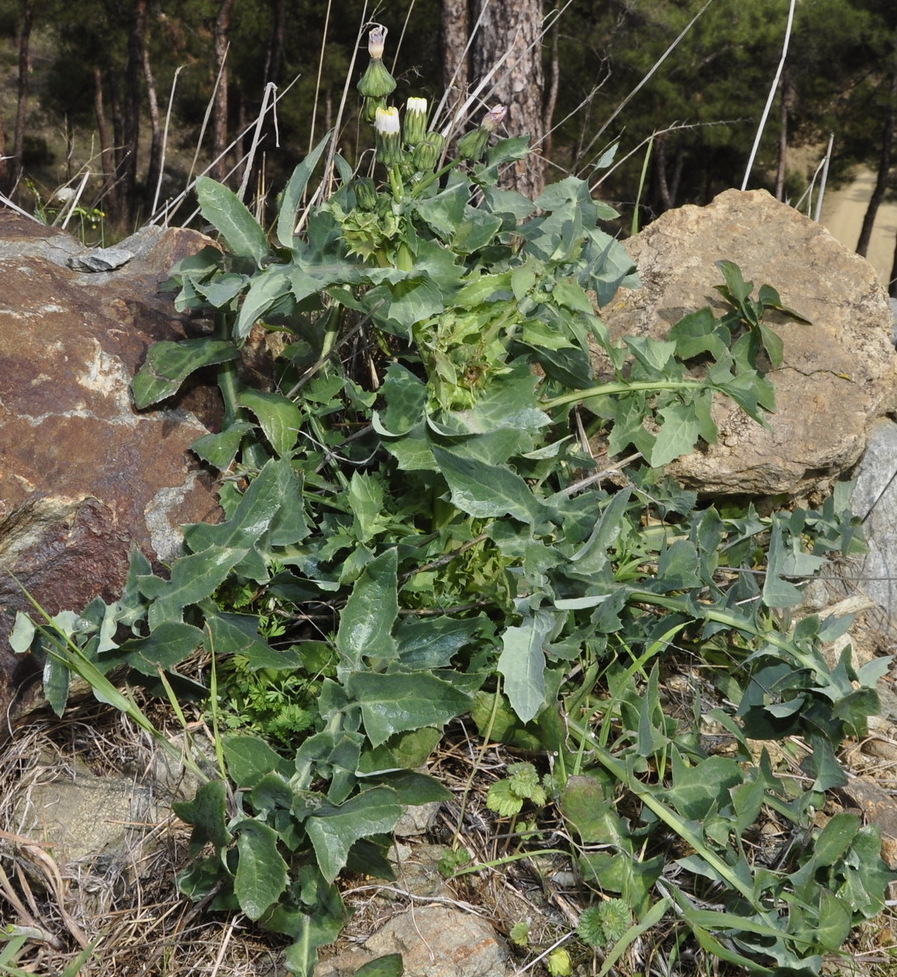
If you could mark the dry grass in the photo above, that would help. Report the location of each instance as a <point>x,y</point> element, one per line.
<point>129,911</point>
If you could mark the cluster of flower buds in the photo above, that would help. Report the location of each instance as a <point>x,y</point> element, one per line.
<point>406,144</point>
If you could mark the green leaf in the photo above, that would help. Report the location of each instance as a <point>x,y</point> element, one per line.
<point>57,680</point>
<point>389,965</point>
<point>483,490</point>
<point>835,838</point>
<point>279,417</point>
<point>413,788</point>
<point>294,191</point>
<point>835,921</point>
<point>333,830</point>
<point>22,634</point>
<point>522,662</point>
<point>365,626</point>
<point>739,290</point>
<point>432,643</point>
<point>776,591</point>
<point>168,364</point>
<point>165,647</point>
<point>261,874</point>
<point>207,812</point>
<point>504,800</point>
<point>219,450</point>
<point>404,751</point>
<point>366,500</point>
<point>193,578</point>
<point>677,435</point>
<point>237,634</point>
<point>249,759</point>
<point>395,702</point>
<point>405,397</point>
<point>588,804</point>
<point>699,788</point>
<point>275,488</point>
<point>232,219</point>
<point>266,290</point>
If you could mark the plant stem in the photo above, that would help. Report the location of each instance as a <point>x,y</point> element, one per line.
<point>609,389</point>
<point>228,375</point>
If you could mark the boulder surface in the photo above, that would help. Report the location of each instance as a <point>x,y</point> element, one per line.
<point>84,477</point>
<point>839,373</point>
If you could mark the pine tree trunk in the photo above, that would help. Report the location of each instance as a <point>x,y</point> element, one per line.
<point>785,95</point>
<point>5,183</point>
<point>219,106</point>
<point>884,169</point>
<point>18,146</point>
<point>274,54</point>
<point>455,62</point>
<point>510,32</point>
<point>514,27</point>
<point>107,154</point>
<point>154,169</point>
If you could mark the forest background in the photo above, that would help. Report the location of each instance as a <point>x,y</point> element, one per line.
<point>132,98</point>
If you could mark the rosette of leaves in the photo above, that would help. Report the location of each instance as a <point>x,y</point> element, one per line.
<point>507,797</point>
<point>605,923</point>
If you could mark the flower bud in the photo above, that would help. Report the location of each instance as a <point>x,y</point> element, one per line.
<point>365,193</point>
<point>426,154</point>
<point>415,127</point>
<point>494,117</point>
<point>369,108</point>
<point>376,82</point>
<point>388,139</point>
<point>473,144</point>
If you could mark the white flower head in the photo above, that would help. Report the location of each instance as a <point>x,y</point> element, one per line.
<point>387,121</point>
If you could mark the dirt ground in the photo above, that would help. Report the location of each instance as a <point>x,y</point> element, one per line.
<point>842,213</point>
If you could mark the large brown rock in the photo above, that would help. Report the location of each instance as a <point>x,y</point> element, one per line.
<point>84,477</point>
<point>839,374</point>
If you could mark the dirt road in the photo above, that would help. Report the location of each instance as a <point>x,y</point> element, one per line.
<point>842,214</point>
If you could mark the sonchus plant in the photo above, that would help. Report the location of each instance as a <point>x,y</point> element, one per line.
<point>409,504</point>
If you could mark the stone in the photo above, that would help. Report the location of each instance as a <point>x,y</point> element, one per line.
<point>92,824</point>
<point>839,374</point>
<point>442,941</point>
<point>437,936</point>
<point>433,941</point>
<point>84,477</point>
<point>874,500</point>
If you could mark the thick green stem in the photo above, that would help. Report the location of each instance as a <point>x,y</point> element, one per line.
<point>609,389</point>
<point>228,376</point>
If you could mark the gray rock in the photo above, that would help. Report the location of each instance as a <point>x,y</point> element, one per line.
<point>874,500</point>
<point>839,374</point>
<point>96,827</point>
<point>441,941</point>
